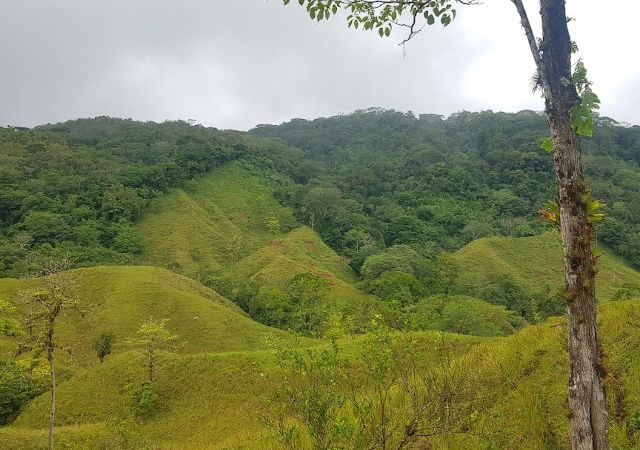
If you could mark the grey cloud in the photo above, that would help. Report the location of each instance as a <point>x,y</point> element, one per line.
<point>224,63</point>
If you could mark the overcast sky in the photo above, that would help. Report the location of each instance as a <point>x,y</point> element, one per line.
<point>238,63</point>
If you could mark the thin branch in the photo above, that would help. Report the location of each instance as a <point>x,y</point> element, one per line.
<point>533,44</point>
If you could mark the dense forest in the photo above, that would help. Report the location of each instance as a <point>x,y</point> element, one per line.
<point>72,191</point>
<point>366,181</point>
<point>380,178</point>
<point>393,193</point>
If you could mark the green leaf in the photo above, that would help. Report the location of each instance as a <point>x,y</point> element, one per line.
<point>547,144</point>
<point>582,120</point>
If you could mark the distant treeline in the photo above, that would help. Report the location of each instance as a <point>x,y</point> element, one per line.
<point>381,178</point>
<point>366,181</point>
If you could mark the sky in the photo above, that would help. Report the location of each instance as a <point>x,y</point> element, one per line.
<point>239,63</point>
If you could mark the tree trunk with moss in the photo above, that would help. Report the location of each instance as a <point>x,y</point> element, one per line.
<point>587,401</point>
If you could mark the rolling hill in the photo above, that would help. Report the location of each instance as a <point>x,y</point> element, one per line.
<point>229,222</point>
<point>534,263</point>
<point>214,399</point>
<point>214,386</point>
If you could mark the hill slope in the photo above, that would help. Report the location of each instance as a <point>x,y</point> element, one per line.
<point>120,299</point>
<point>516,385</point>
<point>229,224</point>
<point>533,263</point>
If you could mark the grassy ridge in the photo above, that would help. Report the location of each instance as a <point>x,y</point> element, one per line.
<point>211,221</point>
<point>119,299</point>
<point>533,263</point>
<point>224,222</point>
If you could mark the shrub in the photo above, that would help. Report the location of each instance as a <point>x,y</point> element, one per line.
<point>103,344</point>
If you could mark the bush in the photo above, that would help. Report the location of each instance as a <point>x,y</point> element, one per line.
<point>464,315</point>
<point>147,402</point>
<point>628,291</point>
<point>17,387</point>
<point>103,344</point>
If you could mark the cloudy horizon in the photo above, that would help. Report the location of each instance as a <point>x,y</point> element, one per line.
<point>238,63</point>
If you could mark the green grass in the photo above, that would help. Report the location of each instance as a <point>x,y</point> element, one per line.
<point>300,250</point>
<point>219,223</point>
<point>212,221</point>
<point>517,385</point>
<point>533,263</point>
<point>119,299</point>
<point>218,363</point>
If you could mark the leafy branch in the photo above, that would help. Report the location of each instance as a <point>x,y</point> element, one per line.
<point>383,15</point>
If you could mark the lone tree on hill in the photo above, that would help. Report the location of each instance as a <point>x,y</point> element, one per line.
<point>46,304</point>
<point>102,344</point>
<point>569,103</point>
<point>152,338</point>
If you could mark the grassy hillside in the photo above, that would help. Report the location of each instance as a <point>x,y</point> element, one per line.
<point>516,386</point>
<point>209,222</point>
<point>212,389</point>
<point>120,299</point>
<point>231,219</point>
<point>300,250</point>
<point>229,223</point>
<point>533,263</point>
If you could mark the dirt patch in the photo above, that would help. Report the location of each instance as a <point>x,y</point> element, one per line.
<point>326,276</point>
<point>311,245</point>
<point>278,245</point>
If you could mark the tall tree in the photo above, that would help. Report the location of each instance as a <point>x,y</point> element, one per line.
<point>569,102</point>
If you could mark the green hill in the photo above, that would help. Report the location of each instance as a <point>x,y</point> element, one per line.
<point>381,188</point>
<point>119,299</point>
<point>229,224</point>
<point>94,398</point>
<point>230,220</point>
<point>221,217</point>
<point>516,385</point>
<point>533,263</point>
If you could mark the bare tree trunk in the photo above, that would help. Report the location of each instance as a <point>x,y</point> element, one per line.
<point>52,412</point>
<point>587,401</point>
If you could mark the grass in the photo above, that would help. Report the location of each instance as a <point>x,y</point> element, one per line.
<point>533,263</point>
<point>119,299</point>
<point>211,221</point>
<point>219,223</point>
<point>212,399</point>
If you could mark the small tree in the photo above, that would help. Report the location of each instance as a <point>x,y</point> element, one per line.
<point>46,305</point>
<point>305,410</point>
<point>8,325</point>
<point>16,386</point>
<point>102,344</point>
<point>306,291</point>
<point>151,338</point>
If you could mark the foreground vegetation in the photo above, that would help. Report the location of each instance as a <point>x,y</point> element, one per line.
<point>215,390</point>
